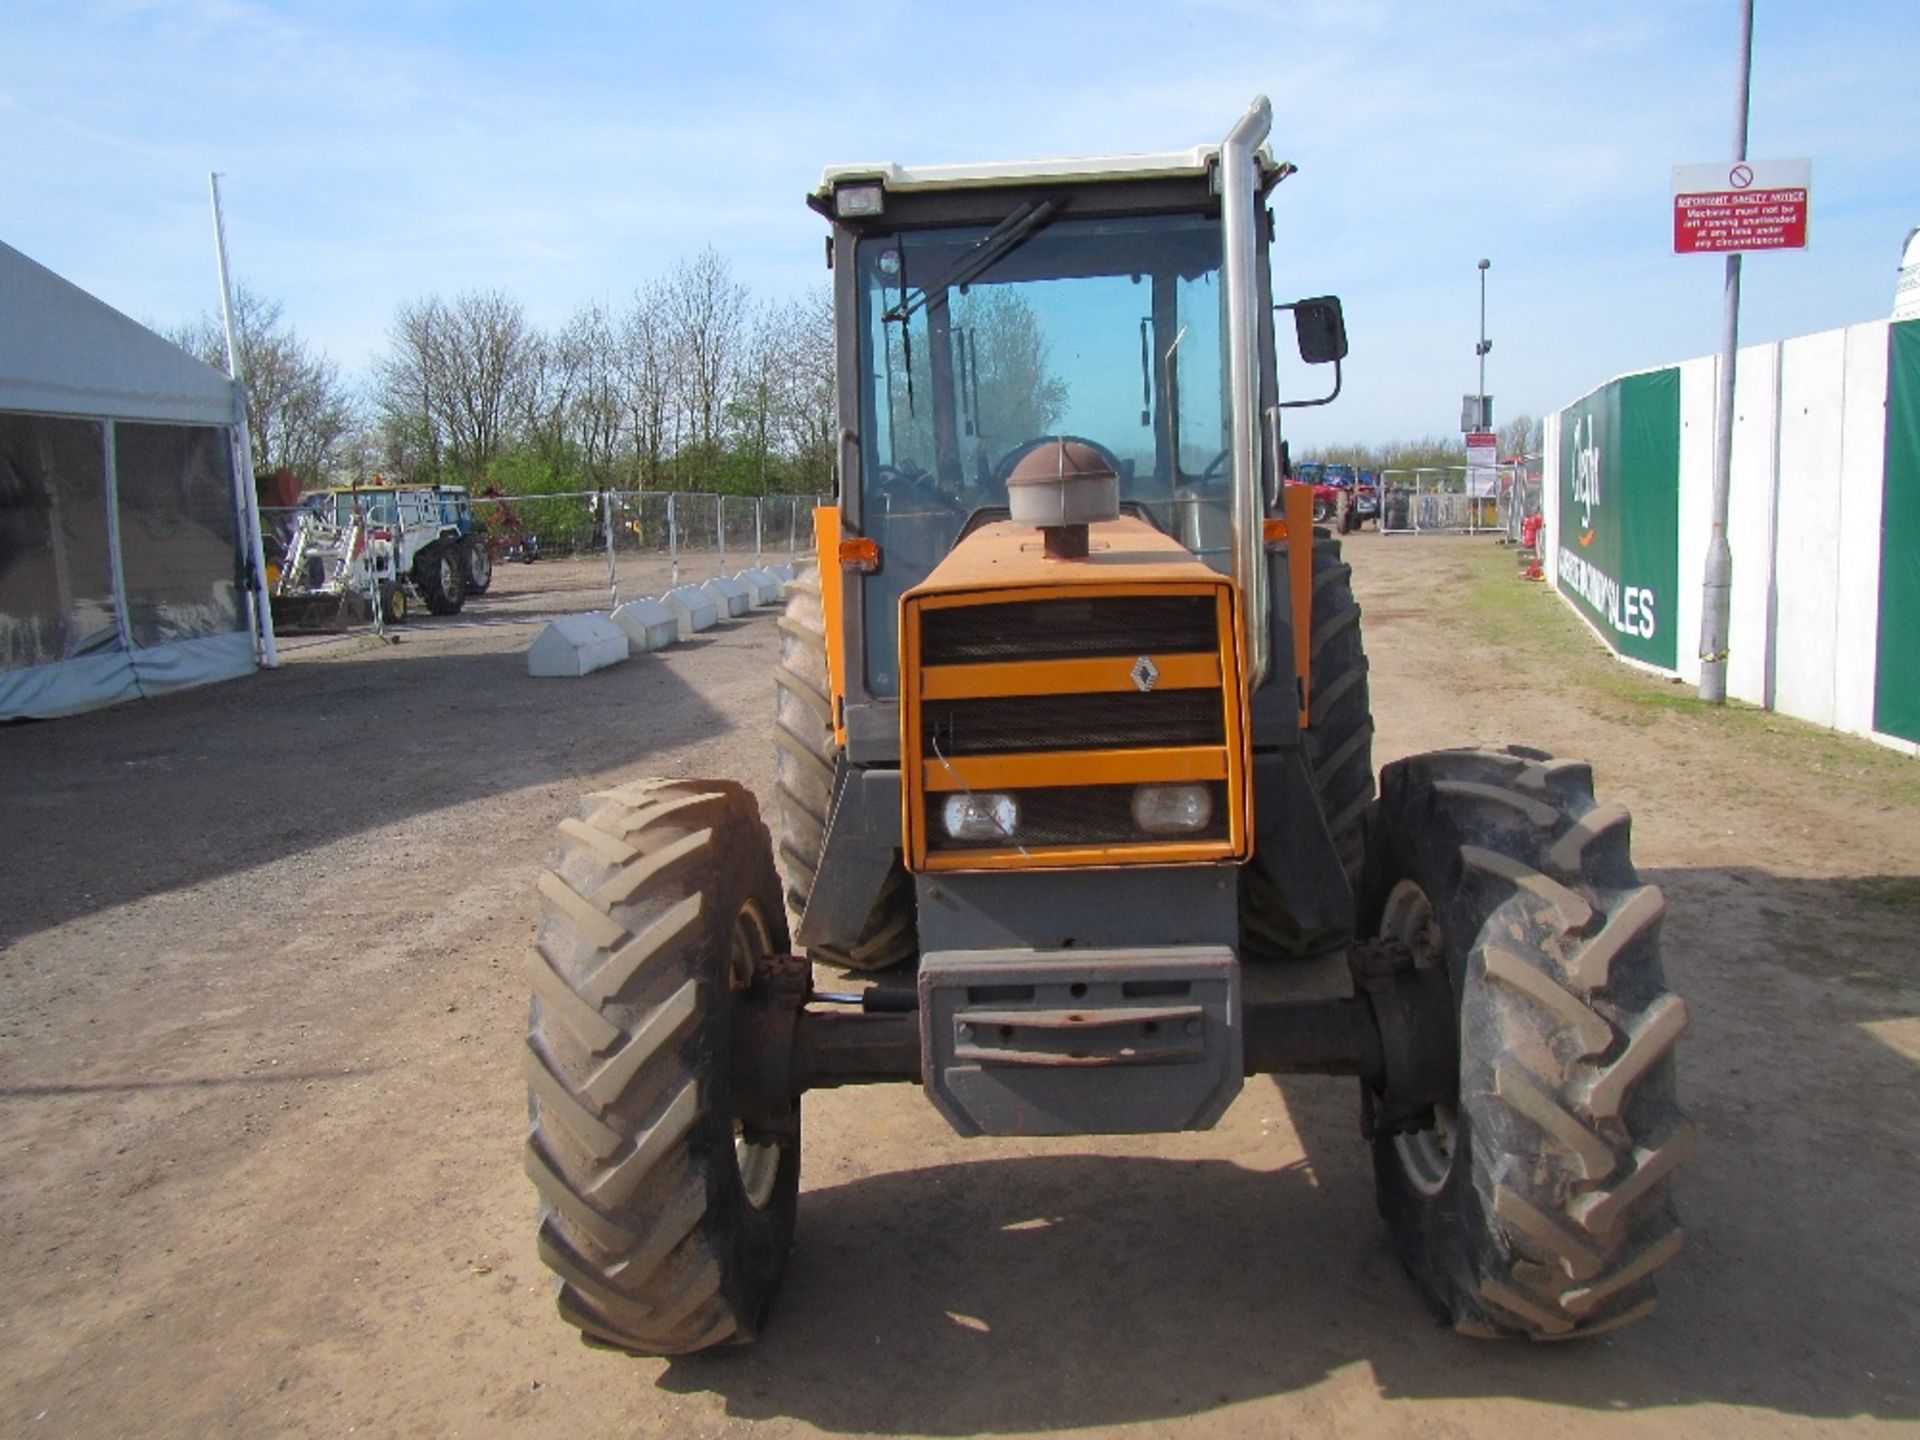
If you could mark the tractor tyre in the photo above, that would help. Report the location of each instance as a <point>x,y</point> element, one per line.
<point>476,564</point>
<point>805,757</point>
<point>1536,1204</point>
<point>1339,747</point>
<point>1322,511</point>
<point>437,575</point>
<point>393,602</point>
<point>666,1218</point>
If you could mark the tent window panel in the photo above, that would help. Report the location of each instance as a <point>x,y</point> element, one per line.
<point>56,569</point>
<point>179,540</point>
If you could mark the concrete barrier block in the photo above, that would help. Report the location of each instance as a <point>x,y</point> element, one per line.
<point>577,645</point>
<point>729,596</point>
<point>649,624</point>
<point>762,585</point>
<point>695,609</point>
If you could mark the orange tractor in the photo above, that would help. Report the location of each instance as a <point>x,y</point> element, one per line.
<point>1074,758</point>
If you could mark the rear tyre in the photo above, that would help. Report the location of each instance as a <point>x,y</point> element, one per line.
<point>1339,747</point>
<point>667,1219</point>
<point>1537,1203</point>
<point>805,755</point>
<point>437,575</point>
<point>476,564</point>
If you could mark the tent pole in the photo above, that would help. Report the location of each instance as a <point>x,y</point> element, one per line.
<point>243,456</point>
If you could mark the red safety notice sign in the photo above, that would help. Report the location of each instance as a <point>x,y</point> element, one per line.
<point>1750,205</point>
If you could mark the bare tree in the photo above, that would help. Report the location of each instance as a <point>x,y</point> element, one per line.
<point>756,391</point>
<point>644,367</point>
<point>452,378</point>
<point>589,352</point>
<point>489,348</point>
<point>408,381</point>
<point>1520,436</point>
<point>705,312</point>
<point>1019,396</point>
<point>299,413</point>
<point>687,383</point>
<point>804,400</point>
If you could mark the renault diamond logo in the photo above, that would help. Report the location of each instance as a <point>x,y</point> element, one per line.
<point>1144,674</point>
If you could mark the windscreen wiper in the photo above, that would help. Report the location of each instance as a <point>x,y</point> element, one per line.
<point>1018,226</point>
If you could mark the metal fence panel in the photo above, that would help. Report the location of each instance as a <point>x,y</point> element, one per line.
<point>566,553</point>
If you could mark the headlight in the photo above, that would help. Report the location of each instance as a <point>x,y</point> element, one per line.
<point>853,200</point>
<point>1172,809</point>
<point>980,817</point>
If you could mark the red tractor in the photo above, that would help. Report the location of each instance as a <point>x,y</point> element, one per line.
<point>1342,495</point>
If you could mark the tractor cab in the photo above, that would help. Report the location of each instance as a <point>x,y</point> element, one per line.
<point>986,310</point>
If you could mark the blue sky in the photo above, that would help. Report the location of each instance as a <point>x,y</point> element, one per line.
<point>566,152</point>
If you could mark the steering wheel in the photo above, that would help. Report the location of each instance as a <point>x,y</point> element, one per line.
<point>1010,460</point>
<point>908,482</point>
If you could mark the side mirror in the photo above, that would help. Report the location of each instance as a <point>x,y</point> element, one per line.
<point>1320,329</point>
<point>1321,332</point>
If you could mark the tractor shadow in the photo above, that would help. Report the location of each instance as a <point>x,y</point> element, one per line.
<point>1039,1292</point>
<point>108,807</point>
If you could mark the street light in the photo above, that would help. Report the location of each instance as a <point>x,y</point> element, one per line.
<point>1483,347</point>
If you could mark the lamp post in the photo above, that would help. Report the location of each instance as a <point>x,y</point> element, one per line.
<point>1716,587</point>
<point>1481,350</point>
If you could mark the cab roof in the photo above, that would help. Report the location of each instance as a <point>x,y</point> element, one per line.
<point>1163,164</point>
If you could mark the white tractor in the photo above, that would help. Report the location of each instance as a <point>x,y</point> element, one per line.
<point>358,547</point>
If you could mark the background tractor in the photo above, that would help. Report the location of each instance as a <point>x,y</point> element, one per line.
<point>1074,760</point>
<point>354,547</point>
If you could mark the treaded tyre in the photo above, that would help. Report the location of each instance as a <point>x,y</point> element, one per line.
<point>393,603</point>
<point>476,564</point>
<point>437,575</point>
<point>804,758</point>
<point>1339,748</point>
<point>666,1219</point>
<point>1538,1204</point>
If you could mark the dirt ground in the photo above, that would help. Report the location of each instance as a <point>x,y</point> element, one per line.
<point>260,1111</point>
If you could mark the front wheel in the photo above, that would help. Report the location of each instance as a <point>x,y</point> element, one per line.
<point>805,754</point>
<point>1536,1202</point>
<point>666,1213</point>
<point>1339,747</point>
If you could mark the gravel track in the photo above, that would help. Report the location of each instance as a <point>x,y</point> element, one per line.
<point>261,997</point>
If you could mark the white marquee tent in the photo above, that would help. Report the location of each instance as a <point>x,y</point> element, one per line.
<point>123,522</point>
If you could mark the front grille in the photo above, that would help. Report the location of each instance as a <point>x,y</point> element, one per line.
<point>1075,815</point>
<point>1069,629</point>
<point>1074,761</point>
<point>1028,724</point>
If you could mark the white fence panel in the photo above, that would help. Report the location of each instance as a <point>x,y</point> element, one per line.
<point>1750,528</point>
<point>1802,607</point>
<point>1863,440</point>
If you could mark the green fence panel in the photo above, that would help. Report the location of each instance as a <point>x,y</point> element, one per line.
<point>1620,513</point>
<point>1896,699</point>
